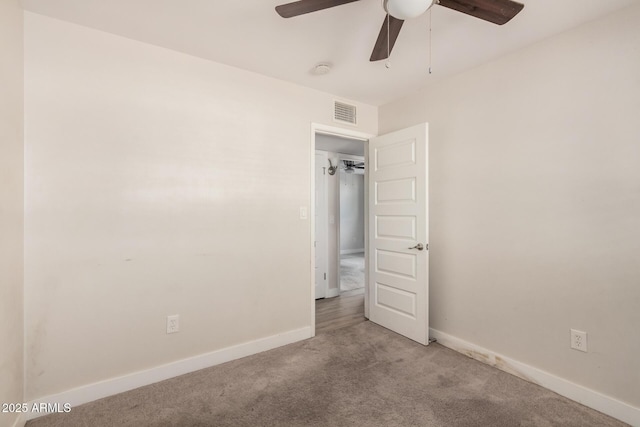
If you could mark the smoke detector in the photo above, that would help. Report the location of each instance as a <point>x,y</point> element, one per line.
<point>321,69</point>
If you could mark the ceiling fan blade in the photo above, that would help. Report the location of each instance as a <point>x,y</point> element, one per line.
<point>380,48</point>
<point>496,11</point>
<point>301,7</point>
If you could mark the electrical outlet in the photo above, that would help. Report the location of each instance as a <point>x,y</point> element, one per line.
<point>579,340</point>
<point>173,324</point>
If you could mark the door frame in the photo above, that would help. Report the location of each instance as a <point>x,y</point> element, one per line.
<point>325,241</point>
<point>344,133</point>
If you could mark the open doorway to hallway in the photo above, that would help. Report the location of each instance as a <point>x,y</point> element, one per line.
<point>342,303</point>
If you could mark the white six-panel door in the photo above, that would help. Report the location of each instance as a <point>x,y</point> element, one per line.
<point>398,227</point>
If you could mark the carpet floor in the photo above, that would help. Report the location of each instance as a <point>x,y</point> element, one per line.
<point>351,272</point>
<point>362,375</point>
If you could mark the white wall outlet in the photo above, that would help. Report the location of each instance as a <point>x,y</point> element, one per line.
<point>579,340</point>
<point>173,324</point>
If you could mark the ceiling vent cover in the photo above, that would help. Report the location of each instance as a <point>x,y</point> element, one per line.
<point>344,113</point>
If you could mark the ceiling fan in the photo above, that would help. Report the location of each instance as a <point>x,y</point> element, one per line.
<point>351,166</point>
<point>494,11</point>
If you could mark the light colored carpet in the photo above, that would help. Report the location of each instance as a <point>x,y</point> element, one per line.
<point>351,272</point>
<point>363,375</point>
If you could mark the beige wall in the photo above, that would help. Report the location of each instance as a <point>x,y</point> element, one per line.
<point>158,183</point>
<point>535,203</point>
<point>11,206</point>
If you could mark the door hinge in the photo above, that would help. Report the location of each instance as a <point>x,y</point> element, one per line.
<point>325,276</point>
<point>427,247</point>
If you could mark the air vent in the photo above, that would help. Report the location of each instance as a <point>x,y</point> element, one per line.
<point>344,113</point>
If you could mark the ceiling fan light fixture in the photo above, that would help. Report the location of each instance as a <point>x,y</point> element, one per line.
<point>495,11</point>
<point>407,9</point>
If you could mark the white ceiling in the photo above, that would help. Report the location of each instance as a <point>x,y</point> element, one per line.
<point>338,144</point>
<point>249,34</point>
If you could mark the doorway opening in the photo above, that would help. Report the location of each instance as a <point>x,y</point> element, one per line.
<point>340,227</point>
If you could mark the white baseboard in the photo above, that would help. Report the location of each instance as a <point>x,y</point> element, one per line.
<point>333,292</point>
<point>585,396</point>
<point>351,251</point>
<point>109,387</point>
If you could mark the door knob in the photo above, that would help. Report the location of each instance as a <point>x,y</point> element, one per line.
<point>418,247</point>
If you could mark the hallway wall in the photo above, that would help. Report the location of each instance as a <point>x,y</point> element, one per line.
<point>351,213</point>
